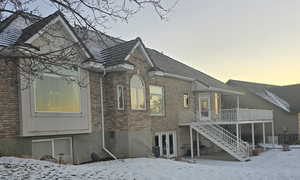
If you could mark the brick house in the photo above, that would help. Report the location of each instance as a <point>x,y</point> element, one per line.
<point>136,98</point>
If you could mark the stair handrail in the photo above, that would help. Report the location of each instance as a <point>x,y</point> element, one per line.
<point>235,143</point>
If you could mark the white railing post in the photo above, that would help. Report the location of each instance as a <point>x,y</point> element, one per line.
<point>237,107</point>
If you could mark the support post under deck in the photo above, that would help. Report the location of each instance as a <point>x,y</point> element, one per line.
<point>198,145</point>
<point>273,138</point>
<point>253,138</point>
<point>237,135</point>
<point>191,137</point>
<point>264,134</point>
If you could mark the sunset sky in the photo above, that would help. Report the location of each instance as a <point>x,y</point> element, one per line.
<point>253,40</point>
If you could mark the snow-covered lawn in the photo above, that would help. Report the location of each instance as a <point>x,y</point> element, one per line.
<point>272,165</point>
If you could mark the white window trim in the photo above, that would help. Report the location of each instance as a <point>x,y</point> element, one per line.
<point>49,113</point>
<point>167,133</point>
<point>137,97</point>
<point>209,108</point>
<point>52,144</point>
<point>118,94</point>
<point>163,101</point>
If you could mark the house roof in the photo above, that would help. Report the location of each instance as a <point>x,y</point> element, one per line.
<point>290,93</point>
<point>251,86</point>
<point>39,24</point>
<point>6,22</point>
<point>285,97</point>
<point>117,53</point>
<point>172,66</point>
<point>118,50</point>
<point>34,28</point>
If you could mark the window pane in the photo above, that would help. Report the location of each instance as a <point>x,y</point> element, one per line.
<point>40,149</point>
<point>120,97</point>
<point>141,98</point>
<point>156,104</point>
<point>156,100</point>
<point>136,82</point>
<point>62,147</point>
<point>171,144</point>
<point>185,100</point>
<point>137,89</point>
<point>204,107</point>
<point>54,94</point>
<point>156,90</point>
<point>164,144</point>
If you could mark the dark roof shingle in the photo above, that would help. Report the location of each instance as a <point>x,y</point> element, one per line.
<point>170,65</point>
<point>290,93</point>
<point>33,29</point>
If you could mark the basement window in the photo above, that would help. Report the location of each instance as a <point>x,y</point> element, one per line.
<point>57,148</point>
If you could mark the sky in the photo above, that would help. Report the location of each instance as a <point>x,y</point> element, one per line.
<point>251,40</point>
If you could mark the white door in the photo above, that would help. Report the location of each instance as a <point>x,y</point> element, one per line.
<point>167,143</point>
<point>204,107</point>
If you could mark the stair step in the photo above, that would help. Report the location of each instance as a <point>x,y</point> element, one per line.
<point>219,140</point>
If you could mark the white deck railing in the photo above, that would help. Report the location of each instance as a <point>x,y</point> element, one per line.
<point>246,114</point>
<point>233,115</point>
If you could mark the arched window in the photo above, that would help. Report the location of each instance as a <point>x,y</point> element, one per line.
<point>137,91</point>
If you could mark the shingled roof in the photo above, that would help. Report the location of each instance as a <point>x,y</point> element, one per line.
<point>118,53</point>
<point>290,93</point>
<point>33,29</point>
<point>9,19</point>
<point>285,97</point>
<point>172,66</point>
<point>119,50</point>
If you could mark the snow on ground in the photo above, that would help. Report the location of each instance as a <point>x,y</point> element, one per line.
<point>272,165</point>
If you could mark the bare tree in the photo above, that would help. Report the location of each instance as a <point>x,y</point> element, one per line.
<point>90,15</point>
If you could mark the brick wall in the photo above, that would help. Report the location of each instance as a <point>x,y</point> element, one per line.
<point>9,110</point>
<point>95,100</point>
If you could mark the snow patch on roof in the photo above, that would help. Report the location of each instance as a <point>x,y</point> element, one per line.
<point>274,99</point>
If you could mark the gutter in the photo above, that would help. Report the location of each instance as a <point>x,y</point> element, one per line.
<point>102,119</point>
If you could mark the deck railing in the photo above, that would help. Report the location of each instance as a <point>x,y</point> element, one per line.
<point>233,115</point>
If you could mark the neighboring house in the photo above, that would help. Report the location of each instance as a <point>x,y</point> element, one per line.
<point>283,100</point>
<point>136,98</point>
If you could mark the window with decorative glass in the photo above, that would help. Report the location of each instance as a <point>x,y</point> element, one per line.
<point>137,93</point>
<point>54,93</point>
<point>156,100</point>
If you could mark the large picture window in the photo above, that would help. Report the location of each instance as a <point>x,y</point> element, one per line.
<point>54,94</point>
<point>156,100</point>
<point>137,92</point>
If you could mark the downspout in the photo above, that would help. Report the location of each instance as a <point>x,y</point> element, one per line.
<point>102,118</point>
